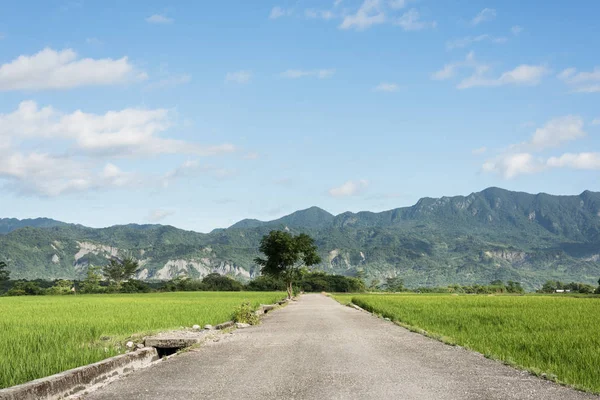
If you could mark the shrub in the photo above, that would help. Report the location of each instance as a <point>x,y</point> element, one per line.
<point>245,314</point>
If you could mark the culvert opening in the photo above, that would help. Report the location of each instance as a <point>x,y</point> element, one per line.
<point>166,351</point>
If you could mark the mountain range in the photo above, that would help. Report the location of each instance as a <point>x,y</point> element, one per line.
<point>488,235</point>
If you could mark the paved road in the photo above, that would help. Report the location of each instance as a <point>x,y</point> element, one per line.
<point>318,349</point>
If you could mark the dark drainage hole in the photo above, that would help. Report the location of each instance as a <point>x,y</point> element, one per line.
<point>163,352</point>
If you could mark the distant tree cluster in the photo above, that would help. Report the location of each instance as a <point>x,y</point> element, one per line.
<point>574,287</point>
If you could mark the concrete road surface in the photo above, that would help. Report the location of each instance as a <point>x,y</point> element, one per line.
<point>318,349</point>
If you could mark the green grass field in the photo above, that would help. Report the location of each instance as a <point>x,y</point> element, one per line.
<point>44,335</point>
<point>558,336</point>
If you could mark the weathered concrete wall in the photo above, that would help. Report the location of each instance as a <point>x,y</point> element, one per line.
<point>80,379</point>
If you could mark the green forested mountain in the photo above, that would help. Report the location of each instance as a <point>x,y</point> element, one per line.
<point>493,234</point>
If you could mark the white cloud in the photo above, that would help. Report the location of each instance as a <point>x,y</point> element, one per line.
<point>278,12</point>
<point>596,121</point>
<point>251,156</point>
<point>576,161</point>
<point>386,87</point>
<point>479,151</point>
<point>337,2</point>
<point>368,14</point>
<point>50,175</point>
<point>582,82</point>
<point>487,14</point>
<point>469,40</point>
<point>240,77</point>
<point>51,69</point>
<point>159,214</point>
<point>516,30</point>
<point>558,131</point>
<point>350,188</point>
<point>299,73</point>
<point>119,133</point>
<point>529,75</point>
<point>411,21</point>
<point>519,160</point>
<point>159,19</point>
<point>511,165</point>
<point>319,14</point>
<point>42,174</point>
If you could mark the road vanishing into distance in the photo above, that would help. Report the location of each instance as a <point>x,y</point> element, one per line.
<point>316,348</point>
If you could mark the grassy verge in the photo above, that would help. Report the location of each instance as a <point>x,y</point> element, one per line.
<point>42,336</point>
<point>555,337</point>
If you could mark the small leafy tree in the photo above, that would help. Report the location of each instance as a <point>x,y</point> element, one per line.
<point>118,271</point>
<point>4,272</point>
<point>286,255</point>
<point>61,287</point>
<point>374,285</point>
<point>91,283</point>
<point>218,282</point>
<point>394,284</point>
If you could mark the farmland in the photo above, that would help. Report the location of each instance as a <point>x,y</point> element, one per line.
<point>42,336</point>
<point>556,336</point>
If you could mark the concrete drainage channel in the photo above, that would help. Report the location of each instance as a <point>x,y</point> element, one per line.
<point>79,381</point>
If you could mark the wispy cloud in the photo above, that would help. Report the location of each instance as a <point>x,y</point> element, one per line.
<point>469,40</point>
<point>516,30</point>
<point>557,131</point>
<point>411,21</point>
<point>193,168</point>
<point>159,215</point>
<point>51,69</point>
<point>300,73</point>
<point>451,69</point>
<point>319,14</point>
<point>93,41</point>
<point>369,13</point>
<point>479,151</point>
<point>386,87</point>
<point>278,12</point>
<point>581,82</point>
<point>350,188</point>
<point>240,77</point>
<point>487,14</point>
<point>523,75</point>
<point>398,4</point>
<point>159,19</point>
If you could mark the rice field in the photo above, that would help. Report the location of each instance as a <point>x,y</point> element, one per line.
<point>41,336</point>
<point>552,335</point>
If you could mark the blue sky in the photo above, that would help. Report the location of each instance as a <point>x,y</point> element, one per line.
<point>199,114</point>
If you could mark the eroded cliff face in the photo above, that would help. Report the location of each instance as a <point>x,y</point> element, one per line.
<point>151,269</point>
<point>507,255</point>
<point>198,268</point>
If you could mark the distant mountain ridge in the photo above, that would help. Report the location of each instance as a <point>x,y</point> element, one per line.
<point>10,224</point>
<point>488,235</point>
